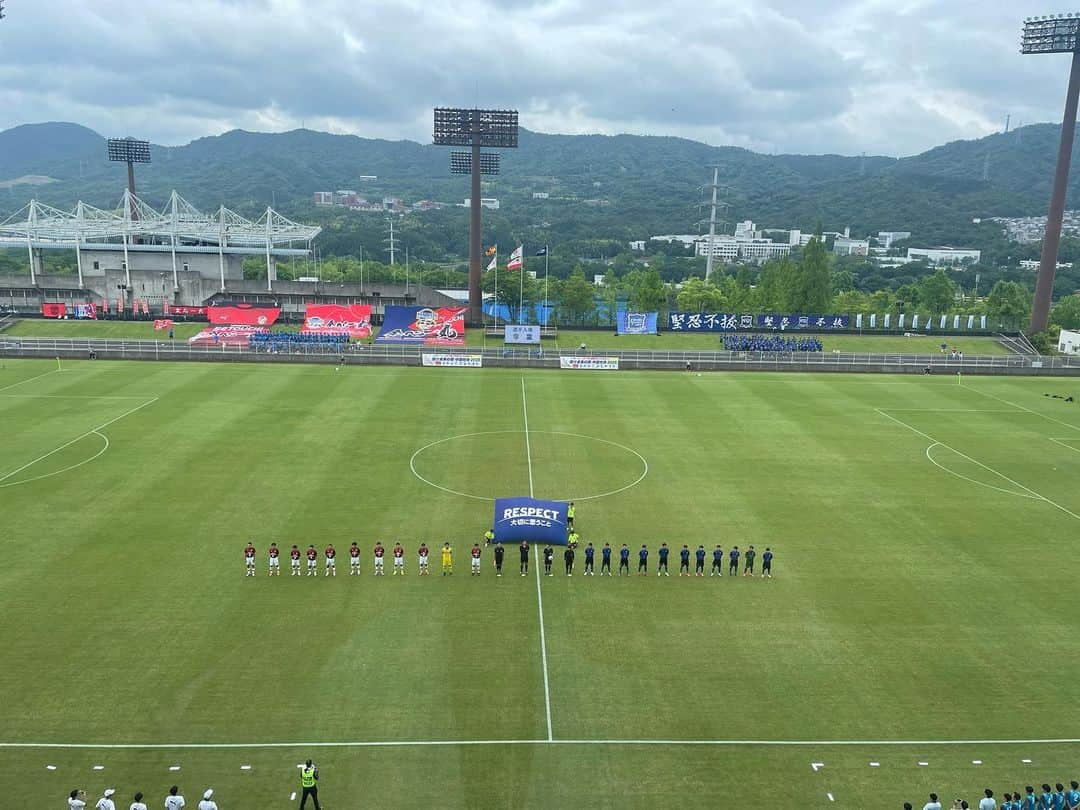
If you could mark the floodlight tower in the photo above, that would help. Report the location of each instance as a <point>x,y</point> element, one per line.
<point>455,126</point>
<point>1060,34</point>
<point>130,151</point>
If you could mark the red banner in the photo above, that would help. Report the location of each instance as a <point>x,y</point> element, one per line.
<point>226,336</point>
<point>54,310</point>
<point>242,314</point>
<point>171,309</point>
<point>353,320</point>
<point>163,324</point>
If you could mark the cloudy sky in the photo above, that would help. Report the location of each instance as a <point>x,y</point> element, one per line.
<point>879,76</point>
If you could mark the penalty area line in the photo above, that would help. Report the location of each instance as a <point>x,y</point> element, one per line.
<point>452,743</point>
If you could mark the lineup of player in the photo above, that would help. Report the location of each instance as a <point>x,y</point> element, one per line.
<point>734,557</point>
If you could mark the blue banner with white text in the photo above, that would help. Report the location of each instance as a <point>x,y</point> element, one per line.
<point>635,323</point>
<point>807,322</point>
<point>537,521</point>
<point>708,322</point>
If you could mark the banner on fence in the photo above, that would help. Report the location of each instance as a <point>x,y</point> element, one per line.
<point>452,360</point>
<point>635,323</point>
<point>971,322</point>
<point>982,322</point>
<point>955,322</point>
<point>809,322</point>
<point>187,312</point>
<point>915,321</point>
<point>353,320</point>
<point>522,333</point>
<point>86,312</point>
<point>708,322</point>
<point>233,336</point>
<point>590,363</point>
<point>242,315</point>
<point>423,326</point>
<point>49,310</point>
<point>530,519</point>
<point>163,323</point>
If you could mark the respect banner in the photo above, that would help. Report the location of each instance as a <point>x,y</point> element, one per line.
<point>353,320</point>
<point>423,326</point>
<point>452,360</point>
<point>242,315</point>
<point>537,521</point>
<point>590,363</point>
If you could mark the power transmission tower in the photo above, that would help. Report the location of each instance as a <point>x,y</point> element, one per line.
<point>392,244</point>
<point>712,223</point>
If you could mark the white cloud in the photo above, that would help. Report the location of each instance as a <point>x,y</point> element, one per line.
<point>845,76</point>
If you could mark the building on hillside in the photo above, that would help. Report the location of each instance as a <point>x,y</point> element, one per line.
<point>540,195</point>
<point>945,256</point>
<point>324,198</point>
<point>732,248</point>
<point>1033,264</point>
<point>1069,342</point>
<point>746,229</point>
<point>687,240</point>
<point>427,205</point>
<point>845,246</point>
<point>485,202</point>
<point>887,238</point>
<point>638,245</point>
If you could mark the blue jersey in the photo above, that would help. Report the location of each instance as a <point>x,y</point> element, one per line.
<point>589,551</point>
<point>624,554</point>
<point>663,553</point>
<point>718,554</point>
<point>1030,802</point>
<point>1059,800</point>
<point>734,554</point>
<point>701,555</point>
<point>606,552</point>
<point>684,555</point>
<point>1072,797</point>
<point>643,554</point>
<point>766,557</point>
<point>1046,801</point>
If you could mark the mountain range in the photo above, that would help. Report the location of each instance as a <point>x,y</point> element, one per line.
<point>608,187</point>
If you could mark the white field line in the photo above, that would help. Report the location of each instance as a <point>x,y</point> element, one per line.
<point>536,569</point>
<point>453,743</point>
<point>77,438</point>
<point>69,396</point>
<point>29,379</point>
<point>96,455</point>
<point>949,410</point>
<point>1017,484</point>
<point>940,466</point>
<point>1064,443</point>
<point>1021,407</point>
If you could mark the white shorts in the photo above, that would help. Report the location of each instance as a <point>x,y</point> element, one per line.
<point>399,562</point>
<point>423,559</point>
<point>475,562</point>
<point>249,562</point>
<point>379,562</point>
<point>295,563</point>
<point>331,562</point>
<point>311,563</point>
<point>275,562</point>
<point>354,561</point>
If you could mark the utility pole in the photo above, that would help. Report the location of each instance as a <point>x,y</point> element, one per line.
<point>712,225</point>
<point>393,245</point>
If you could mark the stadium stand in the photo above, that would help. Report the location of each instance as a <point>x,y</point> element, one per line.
<point>298,343</point>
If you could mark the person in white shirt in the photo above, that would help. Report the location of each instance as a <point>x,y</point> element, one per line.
<point>988,803</point>
<point>106,802</point>
<point>138,803</point>
<point>207,803</point>
<point>77,800</point>
<point>933,804</point>
<point>175,801</point>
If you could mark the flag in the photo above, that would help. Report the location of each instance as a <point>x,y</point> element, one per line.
<point>494,263</point>
<point>491,251</point>
<point>542,251</point>
<point>515,259</point>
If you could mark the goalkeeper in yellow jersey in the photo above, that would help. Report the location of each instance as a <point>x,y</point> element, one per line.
<point>447,559</point>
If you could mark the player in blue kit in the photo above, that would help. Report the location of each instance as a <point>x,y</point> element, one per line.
<point>699,562</point>
<point>589,553</point>
<point>766,563</point>
<point>643,561</point>
<point>733,562</point>
<point>605,559</point>
<point>1072,796</point>
<point>717,562</point>
<point>684,561</point>
<point>624,560</point>
<point>661,563</point>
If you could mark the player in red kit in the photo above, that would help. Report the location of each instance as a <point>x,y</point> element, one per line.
<point>275,563</point>
<point>379,552</point>
<point>474,552</point>
<point>399,560</point>
<point>331,562</point>
<point>312,559</point>
<point>294,555</point>
<point>422,554</point>
<point>354,559</point>
<point>249,560</point>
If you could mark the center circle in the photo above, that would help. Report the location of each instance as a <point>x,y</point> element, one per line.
<point>564,448</point>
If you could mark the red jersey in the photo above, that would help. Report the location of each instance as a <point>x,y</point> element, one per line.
<point>476,552</point>
<point>312,554</point>
<point>274,552</point>
<point>330,552</point>
<point>423,550</point>
<point>295,554</point>
<point>354,552</point>
<point>399,551</point>
<point>379,551</point>
<point>249,552</point>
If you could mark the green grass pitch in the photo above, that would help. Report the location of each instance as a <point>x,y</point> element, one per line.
<point>923,589</point>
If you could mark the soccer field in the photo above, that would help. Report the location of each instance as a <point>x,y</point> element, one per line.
<point>921,609</point>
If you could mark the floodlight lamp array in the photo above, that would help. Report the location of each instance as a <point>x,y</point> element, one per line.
<point>461,163</point>
<point>1054,34</point>
<point>457,126</point>
<point>128,150</point>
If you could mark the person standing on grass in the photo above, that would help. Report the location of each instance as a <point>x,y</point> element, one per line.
<point>933,804</point>
<point>499,553</point>
<point>379,552</point>
<point>570,512</point>
<point>274,555</point>
<point>447,559</point>
<point>733,562</point>
<point>475,554</point>
<point>138,804</point>
<point>1046,800</point>
<point>1030,802</point>
<point>624,560</point>
<point>249,560</point>
<point>106,802</point>
<point>1072,796</point>
<point>661,561</point>
<point>590,554</point>
<point>987,802</point>
<point>312,561</point>
<point>175,799</point>
<point>331,560</point>
<point>568,558</point>
<point>77,800</point>
<point>605,559</point>
<point>489,537</point>
<point>1006,801</point>
<point>766,563</point>
<point>354,559</point>
<point>294,556</point>
<point>699,561</point>
<point>717,562</point>
<point>643,561</point>
<point>421,559</point>
<point>573,539</point>
<point>748,565</point>
<point>399,559</point>
<point>207,802</point>
<point>523,553</point>
<point>309,785</point>
<point>684,561</point>
<point>549,556</point>
<point>1059,796</point>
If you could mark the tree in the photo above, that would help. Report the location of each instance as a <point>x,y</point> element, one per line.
<point>578,296</point>
<point>815,283</point>
<point>1067,313</point>
<point>696,295</point>
<point>937,293</point>
<point>1008,299</point>
<point>649,295</point>
<point>776,286</point>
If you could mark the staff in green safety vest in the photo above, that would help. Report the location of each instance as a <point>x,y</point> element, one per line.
<point>489,537</point>
<point>573,539</point>
<point>570,515</point>
<point>309,778</point>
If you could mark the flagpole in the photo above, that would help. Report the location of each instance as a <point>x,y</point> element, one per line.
<point>496,286</point>
<point>546,251</point>
<point>521,284</point>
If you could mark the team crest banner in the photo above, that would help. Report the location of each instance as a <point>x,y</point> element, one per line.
<point>636,323</point>
<point>423,326</point>
<point>537,521</point>
<point>353,320</point>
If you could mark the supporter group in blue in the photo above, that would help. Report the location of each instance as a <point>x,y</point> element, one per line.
<point>288,342</point>
<point>770,343</point>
